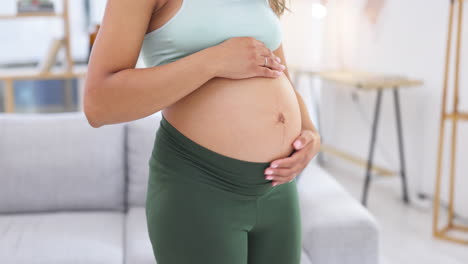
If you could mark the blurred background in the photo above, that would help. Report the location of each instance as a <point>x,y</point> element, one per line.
<point>384,82</point>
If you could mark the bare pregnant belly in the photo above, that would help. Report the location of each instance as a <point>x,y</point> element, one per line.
<point>254,119</point>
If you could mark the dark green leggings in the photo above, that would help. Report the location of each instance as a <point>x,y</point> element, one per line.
<point>206,208</point>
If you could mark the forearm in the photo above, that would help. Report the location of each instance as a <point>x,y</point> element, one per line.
<point>132,94</point>
<point>306,121</point>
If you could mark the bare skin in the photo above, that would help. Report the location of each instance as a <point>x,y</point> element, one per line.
<point>232,105</point>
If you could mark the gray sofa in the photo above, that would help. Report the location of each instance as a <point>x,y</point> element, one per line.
<point>70,193</point>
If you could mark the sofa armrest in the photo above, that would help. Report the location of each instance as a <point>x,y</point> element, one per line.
<point>336,227</point>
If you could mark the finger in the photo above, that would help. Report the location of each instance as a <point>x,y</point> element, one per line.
<point>276,183</point>
<point>303,139</point>
<point>282,181</point>
<point>269,61</point>
<point>284,172</point>
<point>274,57</point>
<point>273,60</point>
<point>279,172</point>
<point>287,162</point>
<point>263,51</point>
<point>267,72</point>
<point>274,65</point>
<point>262,59</point>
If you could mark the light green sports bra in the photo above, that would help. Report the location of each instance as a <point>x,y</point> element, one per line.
<point>199,24</point>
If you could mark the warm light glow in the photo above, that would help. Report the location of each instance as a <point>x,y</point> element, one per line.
<point>319,11</point>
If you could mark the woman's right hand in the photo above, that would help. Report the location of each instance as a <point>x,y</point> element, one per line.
<point>244,57</point>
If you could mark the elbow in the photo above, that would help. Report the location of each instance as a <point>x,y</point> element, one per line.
<point>92,121</point>
<point>91,115</point>
<point>91,107</point>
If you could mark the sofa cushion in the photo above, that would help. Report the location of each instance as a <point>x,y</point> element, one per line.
<point>337,229</point>
<point>138,248</point>
<point>62,237</point>
<point>57,161</point>
<point>140,140</point>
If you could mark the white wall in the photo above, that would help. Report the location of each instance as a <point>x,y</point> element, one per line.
<point>302,35</point>
<point>409,39</point>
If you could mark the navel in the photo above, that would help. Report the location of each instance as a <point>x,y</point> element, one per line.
<point>281,118</point>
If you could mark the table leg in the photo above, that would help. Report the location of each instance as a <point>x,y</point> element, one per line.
<point>400,145</point>
<point>372,146</point>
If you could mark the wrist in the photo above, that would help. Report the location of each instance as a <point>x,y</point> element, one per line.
<point>212,61</point>
<point>309,126</point>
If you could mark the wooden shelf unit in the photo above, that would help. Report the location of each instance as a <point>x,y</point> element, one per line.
<point>448,231</point>
<point>35,14</point>
<point>71,72</point>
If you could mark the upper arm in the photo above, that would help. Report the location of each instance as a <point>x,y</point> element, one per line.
<point>118,42</point>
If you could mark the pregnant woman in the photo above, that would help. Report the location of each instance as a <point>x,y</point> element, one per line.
<point>234,132</point>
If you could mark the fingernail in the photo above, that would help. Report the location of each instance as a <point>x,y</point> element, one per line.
<point>274,184</point>
<point>269,177</point>
<point>268,172</point>
<point>282,67</point>
<point>274,165</point>
<point>278,59</point>
<point>277,73</point>
<point>297,144</point>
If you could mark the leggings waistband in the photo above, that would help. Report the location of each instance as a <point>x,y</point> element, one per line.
<point>183,157</point>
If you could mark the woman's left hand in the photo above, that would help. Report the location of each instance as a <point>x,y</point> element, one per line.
<point>284,170</point>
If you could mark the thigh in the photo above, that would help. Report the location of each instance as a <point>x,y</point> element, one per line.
<point>189,223</point>
<point>276,237</point>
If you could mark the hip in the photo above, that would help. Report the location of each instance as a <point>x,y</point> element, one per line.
<point>176,159</point>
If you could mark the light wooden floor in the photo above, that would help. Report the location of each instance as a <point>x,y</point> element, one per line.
<point>406,236</point>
